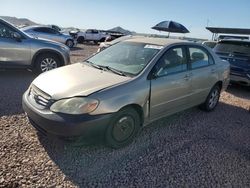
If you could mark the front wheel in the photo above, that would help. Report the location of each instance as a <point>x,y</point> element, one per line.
<point>212,99</point>
<point>46,62</point>
<point>123,128</point>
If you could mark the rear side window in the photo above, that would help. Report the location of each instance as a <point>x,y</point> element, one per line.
<point>199,57</point>
<point>6,31</point>
<point>233,47</point>
<point>45,30</point>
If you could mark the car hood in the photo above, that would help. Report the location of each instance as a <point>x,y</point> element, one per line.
<point>76,80</point>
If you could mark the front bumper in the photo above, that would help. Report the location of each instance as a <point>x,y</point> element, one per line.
<point>63,125</point>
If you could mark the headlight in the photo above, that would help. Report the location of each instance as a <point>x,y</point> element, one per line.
<point>77,105</point>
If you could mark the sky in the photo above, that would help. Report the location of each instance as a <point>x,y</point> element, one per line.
<point>134,15</point>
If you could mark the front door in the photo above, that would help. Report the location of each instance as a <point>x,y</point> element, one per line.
<point>12,52</point>
<point>171,85</point>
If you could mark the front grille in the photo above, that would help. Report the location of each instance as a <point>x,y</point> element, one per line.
<point>39,97</point>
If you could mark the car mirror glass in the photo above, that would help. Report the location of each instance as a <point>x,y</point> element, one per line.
<point>16,36</point>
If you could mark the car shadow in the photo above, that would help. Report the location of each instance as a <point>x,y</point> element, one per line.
<point>192,133</point>
<point>76,48</point>
<point>13,83</point>
<point>239,91</point>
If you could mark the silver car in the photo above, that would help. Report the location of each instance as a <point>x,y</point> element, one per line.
<point>124,87</point>
<point>19,50</point>
<point>47,32</point>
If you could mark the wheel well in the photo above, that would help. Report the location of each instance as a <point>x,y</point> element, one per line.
<point>69,39</point>
<point>80,39</point>
<point>138,108</point>
<point>219,83</point>
<point>49,52</point>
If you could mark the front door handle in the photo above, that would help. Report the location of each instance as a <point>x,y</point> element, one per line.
<point>213,70</point>
<point>186,77</point>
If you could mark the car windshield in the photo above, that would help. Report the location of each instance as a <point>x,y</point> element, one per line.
<point>235,47</point>
<point>129,58</point>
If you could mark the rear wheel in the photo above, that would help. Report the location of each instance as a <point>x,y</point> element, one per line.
<point>212,99</point>
<point>80,40</point>
<point>123,128</point>
<point>46,62</point>
<point>70,43</point>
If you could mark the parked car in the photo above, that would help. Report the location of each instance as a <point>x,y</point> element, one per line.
<point>92,35</point>
<point>19,50</point>
<point>104,45</point>
<point>47,32</point>
<point>237,52</point>
<point>124,87</point>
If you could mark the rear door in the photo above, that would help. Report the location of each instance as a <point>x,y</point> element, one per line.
<point>203,71</point>
<point>55,35</point>
<point>13,53</point>
<point>171,87</point>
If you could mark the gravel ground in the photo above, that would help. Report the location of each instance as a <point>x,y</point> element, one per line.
<point>189,149</point>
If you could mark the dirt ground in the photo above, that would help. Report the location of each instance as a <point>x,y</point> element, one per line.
<point>190,149</point>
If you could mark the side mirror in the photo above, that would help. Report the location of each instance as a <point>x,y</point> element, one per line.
<point>17,36</point>
<point>152,75</point>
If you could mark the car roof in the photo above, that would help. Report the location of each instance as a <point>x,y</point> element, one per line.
<point>157,41</point>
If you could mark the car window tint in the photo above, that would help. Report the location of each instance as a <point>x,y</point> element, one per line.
<point>44,30</point>
<point>40,29</point>
<point>199,58</point>
<point>89,31</point>
<point>6,31</point>
<point>52,31</point>
<point>173,61</point>
<point>233,47</point>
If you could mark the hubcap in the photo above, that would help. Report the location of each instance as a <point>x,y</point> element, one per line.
<point>70,43</point>
<point>123,128</point>
<point>213,99</point>
<point>48,64</point>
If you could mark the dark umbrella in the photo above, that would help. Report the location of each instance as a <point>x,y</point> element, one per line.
<point>171,27</point>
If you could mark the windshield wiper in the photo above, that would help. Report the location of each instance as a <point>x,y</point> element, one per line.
<point>102,67</point>
<point>94,65</point>
<point>114,70</point>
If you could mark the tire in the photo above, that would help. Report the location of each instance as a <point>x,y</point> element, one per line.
<point>46,62</point>
<point>70,43</point>
<point>102,40</point>
<point>212,99</point>
<point>80,40</point>
<point>123,128</point>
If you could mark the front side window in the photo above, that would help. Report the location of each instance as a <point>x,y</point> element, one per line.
<point>128,57</point>
<point>199,58</point>
<point>5,31</point>
<point>173,61</point>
